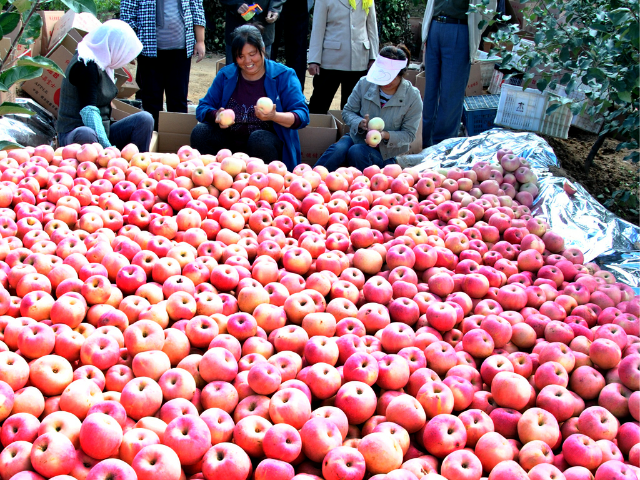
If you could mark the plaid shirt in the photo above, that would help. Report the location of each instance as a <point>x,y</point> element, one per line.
<point>141,16</point>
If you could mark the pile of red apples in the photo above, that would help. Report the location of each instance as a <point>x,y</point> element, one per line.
<point>186,316</point>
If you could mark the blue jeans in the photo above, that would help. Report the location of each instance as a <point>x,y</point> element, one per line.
<point>136,129</point>
<point>358,155</point>
<point>446,61</point>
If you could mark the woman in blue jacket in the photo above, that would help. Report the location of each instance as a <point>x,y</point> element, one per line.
<point>267,135</point>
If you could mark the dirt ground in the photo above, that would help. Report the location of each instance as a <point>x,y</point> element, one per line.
<point>608,174</point>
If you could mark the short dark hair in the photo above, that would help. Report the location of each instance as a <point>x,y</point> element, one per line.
<point>246,34</point>
<point>399,52</point>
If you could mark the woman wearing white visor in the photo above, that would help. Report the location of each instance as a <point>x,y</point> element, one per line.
<point>383,93</point>
<point>89,88</point>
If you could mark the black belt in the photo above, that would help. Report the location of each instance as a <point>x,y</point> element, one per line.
<point>443,19</point>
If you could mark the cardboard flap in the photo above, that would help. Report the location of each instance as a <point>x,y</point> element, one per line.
<point>171,122</point>
<point>316,137</point>
<point>49,20</point>
<point>84,22</point>
<point>420,83</point>
<point>125,107</point>
<point>342,128</point>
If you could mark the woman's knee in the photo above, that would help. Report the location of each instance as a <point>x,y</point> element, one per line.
<point>82,135</point>
<point>144,121</point>
<point>261,138</point>
<point>199,135</point>
<point>358,153</point>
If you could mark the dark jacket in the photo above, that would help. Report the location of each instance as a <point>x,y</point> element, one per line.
<point>70,101</point>
<point>282,86</point>
<point>234,19</point>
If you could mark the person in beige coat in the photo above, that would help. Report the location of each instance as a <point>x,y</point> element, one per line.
<point>343,44</point>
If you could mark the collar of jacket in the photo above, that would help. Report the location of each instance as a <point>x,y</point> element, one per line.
<point>272,69</point>
<point>373,94</point>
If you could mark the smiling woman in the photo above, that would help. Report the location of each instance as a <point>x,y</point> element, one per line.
<point>228,112</point>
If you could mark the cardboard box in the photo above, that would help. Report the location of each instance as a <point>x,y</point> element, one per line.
<point>412,73</point>
<point>342,128</point>
<point>46,89</point>
<point>474,85</point>
<point>9,95</point>
<point>420,83</point>
<point>174,131</point>
<point>220,64</point>
<point>19,50</point>
<point>315,138</point>
<point>82,22</point>
<point>153,144</point>
<point>49,20</point>
<point>130,87</point>
<point>122,110</point>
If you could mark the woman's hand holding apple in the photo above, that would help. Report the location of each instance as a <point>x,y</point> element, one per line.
<point>225,117</point>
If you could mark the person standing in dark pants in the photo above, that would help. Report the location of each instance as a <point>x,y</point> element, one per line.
<point>452,38</point>
<point>343,45</point>
<point>171,32</point>
<point>293,29</point>
<point>266,19</point>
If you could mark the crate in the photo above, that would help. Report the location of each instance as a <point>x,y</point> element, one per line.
<point>526,110</point>
<point>497,80</point>
<point>479,113</point>
<point>584,121</point>
<point>558,122</point>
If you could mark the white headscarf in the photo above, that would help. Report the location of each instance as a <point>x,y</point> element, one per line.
<point>111,46</point>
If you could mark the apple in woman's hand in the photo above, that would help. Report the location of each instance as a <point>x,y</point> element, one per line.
<point>376,123</point>
<point>265,105</point>
<point>373,137</point>
<point>226,117</point>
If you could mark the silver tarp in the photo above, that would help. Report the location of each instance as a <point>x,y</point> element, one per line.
<point>583,222</point>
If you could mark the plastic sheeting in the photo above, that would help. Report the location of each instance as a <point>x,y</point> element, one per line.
<point>583,222</point>
<point>29,130</point>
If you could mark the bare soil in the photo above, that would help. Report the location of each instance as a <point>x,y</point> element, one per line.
<point>609,173</point>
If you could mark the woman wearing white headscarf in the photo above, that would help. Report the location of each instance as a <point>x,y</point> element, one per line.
<point>89,88</point>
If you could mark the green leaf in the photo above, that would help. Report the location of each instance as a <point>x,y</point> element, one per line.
<point>620,16</point>
<point>40,62</point>
<point>32,30</point>
<point>7,145</point>
<point>19,74</point>
<point>3,88</point>
<point>625,96</point>
<point>9,21</point>
<point>542,84</point>
<point>80,6</point>
<point>553,108</point>
<point>7,108</point>
<point>21,5</point>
